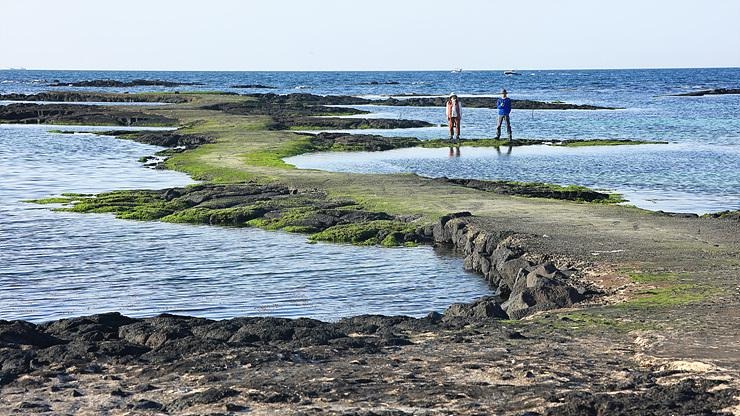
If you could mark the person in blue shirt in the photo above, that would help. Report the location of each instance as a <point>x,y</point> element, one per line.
<point>504,108</point>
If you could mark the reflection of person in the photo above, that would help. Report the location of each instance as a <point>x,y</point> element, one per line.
<point>454,115</point>
<point>504,108</point>
<point>454,151</point>
<point>508,151</point>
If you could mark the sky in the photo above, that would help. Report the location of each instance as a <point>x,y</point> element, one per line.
<point>310,35</point>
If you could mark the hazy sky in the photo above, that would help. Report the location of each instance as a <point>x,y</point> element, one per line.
<point>368,35</point>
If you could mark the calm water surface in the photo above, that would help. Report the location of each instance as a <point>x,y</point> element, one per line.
<point>674,177</point>
<point>58,265</point>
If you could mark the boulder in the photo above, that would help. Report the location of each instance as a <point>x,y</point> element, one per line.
<point>534,293</point>
<point>17,333</point>
<point>481,309</point>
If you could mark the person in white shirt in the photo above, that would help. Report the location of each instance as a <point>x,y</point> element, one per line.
<point>454,115</point>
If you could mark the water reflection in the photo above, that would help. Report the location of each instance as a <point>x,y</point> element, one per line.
<point>672,177</point>
<point>57,265</point>
<point>509,148</point>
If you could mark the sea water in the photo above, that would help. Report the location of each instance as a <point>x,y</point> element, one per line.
<point>56,264</point>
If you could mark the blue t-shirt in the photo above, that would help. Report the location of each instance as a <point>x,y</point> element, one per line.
<point>504,106</point>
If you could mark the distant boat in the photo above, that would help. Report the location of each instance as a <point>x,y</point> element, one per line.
<point>456,70</point>
<point>511,72</point>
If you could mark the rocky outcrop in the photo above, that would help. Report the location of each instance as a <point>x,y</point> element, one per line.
<point>165,138</point>
<point>310,111</point>
<point>78,114</point>
<point>464,362</point>
<point>115,83</point>
<point>360,142</point>
<point>525,287</point>
<point>166,339</point>
<point>272,207</point>
<point>346,123</point>
<point>536,190</point>
<point>716,91</point>
<point>254,86</point>
<point>728,215</point>
<point>79,96</point>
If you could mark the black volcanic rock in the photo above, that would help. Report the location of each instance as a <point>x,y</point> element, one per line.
<point>254,86</point>
<point>81,96</point>
<point>78,114</point>
<point>716,91</point>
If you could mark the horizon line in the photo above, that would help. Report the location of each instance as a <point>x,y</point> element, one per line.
<point>363,70</point>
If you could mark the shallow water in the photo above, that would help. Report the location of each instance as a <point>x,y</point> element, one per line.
<point>718,124</point>
<point>58,265</point>
<point>672,177</point>
<point>698,172</point>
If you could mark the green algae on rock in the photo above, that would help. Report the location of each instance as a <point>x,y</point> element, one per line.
<point>271,207</point>
<point>538,190</point>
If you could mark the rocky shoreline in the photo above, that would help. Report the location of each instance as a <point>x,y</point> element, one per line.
<point>535,190</point>
<point>716,91</point>
<point>79,114</point>
<point>75,96</point>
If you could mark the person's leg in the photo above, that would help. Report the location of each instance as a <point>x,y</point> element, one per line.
<point>457,128</point>
<point>498,126</point>
<point>451,122</point>
<point>508,125</point>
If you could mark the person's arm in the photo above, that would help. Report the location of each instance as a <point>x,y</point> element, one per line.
<point>459,109</point>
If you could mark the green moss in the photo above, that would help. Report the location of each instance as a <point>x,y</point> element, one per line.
<point>53,200</point>
<point>393,239</point>
<point>145,213</point>
<point>665,290</point>
<point>368,233</point>
<point>673,295</point>
<point>613,198</point>
<point>274,157</point>
<point>134,205</point>
<point>204,172</point>
<point>234,216</point>
<point>723,214</point>
<point>438,143</point>
<point>594,321</point>
<point>293,217</point>
<point>528,142</point>
<point>653,277</point>
<point>298,229</point>
<point>190,216</point>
